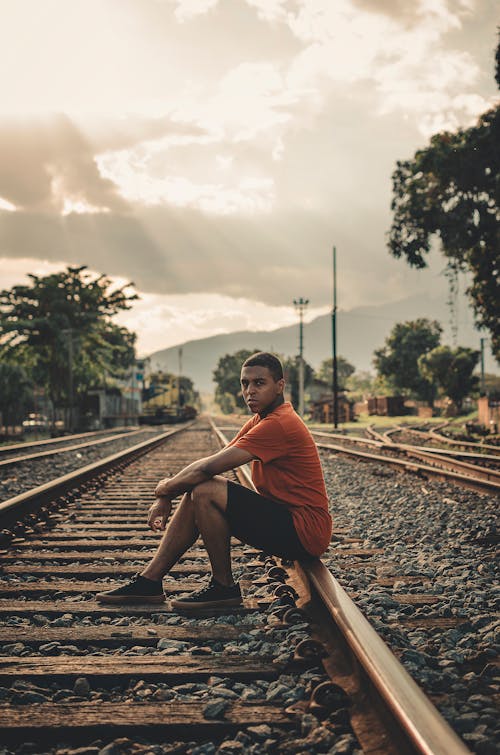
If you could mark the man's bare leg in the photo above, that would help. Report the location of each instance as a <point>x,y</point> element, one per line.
<point>210,503</point>
<point>179,536</point>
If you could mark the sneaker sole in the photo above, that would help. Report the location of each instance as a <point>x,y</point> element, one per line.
<point>188,606</point>
<point>130,599</point>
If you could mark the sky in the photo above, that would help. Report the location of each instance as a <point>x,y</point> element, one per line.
<point>213,151</point>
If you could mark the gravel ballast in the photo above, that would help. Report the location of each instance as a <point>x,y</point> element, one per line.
<point>446,535</point>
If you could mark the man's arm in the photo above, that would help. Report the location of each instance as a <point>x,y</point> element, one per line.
<point>202,470</point>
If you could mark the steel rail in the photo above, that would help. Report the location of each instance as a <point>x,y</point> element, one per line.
<point>378,436</point>
<point>411,466</point>
<point>466,444</point>
<point>424,731</point>
<point>446,452</point>
<point>9,447</point>
<point>440,460</point>
<point>66,449</point>
<point>14,508</point>
<point>452,442</point>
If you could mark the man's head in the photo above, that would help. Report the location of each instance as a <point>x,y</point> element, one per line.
<point>262,382</point>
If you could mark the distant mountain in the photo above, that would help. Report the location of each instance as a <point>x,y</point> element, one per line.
<point>359,332</point>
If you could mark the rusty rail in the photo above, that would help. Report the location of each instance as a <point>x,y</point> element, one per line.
<point>486,480</point>
<point>10,447</point>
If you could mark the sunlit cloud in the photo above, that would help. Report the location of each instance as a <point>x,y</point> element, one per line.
<point>185,10</point>
<point>137,184</point>
<point>6,205</point>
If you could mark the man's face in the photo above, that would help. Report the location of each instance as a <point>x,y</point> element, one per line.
<point>259,388</point>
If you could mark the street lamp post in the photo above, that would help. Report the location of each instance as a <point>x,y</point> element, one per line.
<point>300,306</point>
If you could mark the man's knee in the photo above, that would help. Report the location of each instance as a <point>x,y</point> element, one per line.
<point>212,491</point>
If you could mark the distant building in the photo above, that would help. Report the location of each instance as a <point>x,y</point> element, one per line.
<point>116,405</point>
<point>488,412</point>
<point>386,406</point>
<point>321,403</point>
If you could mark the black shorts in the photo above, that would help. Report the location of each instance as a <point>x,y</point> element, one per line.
<point>263,523</point>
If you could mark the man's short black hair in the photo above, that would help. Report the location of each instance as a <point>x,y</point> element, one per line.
<point>265,359</point>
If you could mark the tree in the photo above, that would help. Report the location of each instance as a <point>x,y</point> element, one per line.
<point>344,370</point>
<point>60,328</point>
<point>227,379</point>
<point>451,370</point>
<point>450,190</point>
<point>360,384</point>
<point>16,394</point>
<point>397,361</point>
<point>291,374</point>
<point>227,403</point>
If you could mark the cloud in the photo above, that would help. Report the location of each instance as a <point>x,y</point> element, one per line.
<point>270,10</point>
<point>185,10</point>
<point>47,161</point>
<point>400,48</point>
<point>51,165</point>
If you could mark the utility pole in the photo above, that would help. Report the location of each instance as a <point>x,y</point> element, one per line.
<point>334,344</point>
<point>68,333</point>
<point>300,306</point>
<point>483,383</point>
<point>179,353</point>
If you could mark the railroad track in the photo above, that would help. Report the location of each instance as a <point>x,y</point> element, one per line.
<point>297,667</point>
<point>463,468</point>
<point>10,455</point>
<point>433,435</point>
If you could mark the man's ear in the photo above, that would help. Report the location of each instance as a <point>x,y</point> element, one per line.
<point>281,383</point>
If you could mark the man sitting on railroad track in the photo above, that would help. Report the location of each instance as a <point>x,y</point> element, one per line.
<point>287,516</point>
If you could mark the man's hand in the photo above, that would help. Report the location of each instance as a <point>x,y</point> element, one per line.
<point>161,490</point>
<point>158,514</point>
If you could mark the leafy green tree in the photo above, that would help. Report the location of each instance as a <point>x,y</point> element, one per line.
<point>227,379</point>
<point>397,361</point>
<point>451,370</point>
<point>16,394</point>
<point>450,190</point>
<point>360,384</point>
<point>344,370</point>
<point>60,327</point>
<point>291,373</point>
<point>227,403</point>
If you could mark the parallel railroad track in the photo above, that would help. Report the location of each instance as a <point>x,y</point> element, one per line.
<point>430,462</point>
<point>11,455</point>
<point>84,671</point>
<point>433,435</point>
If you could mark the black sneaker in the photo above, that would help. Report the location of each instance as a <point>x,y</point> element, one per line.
<point>213,595</point>
<point>138,590</point>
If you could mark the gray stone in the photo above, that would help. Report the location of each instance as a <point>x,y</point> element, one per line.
<point>49,647</point>
<point>263,731</point>
<point>216,708</point>
<point>81,687</point>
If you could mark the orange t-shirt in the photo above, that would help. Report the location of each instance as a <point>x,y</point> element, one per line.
<point>288,470</point>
